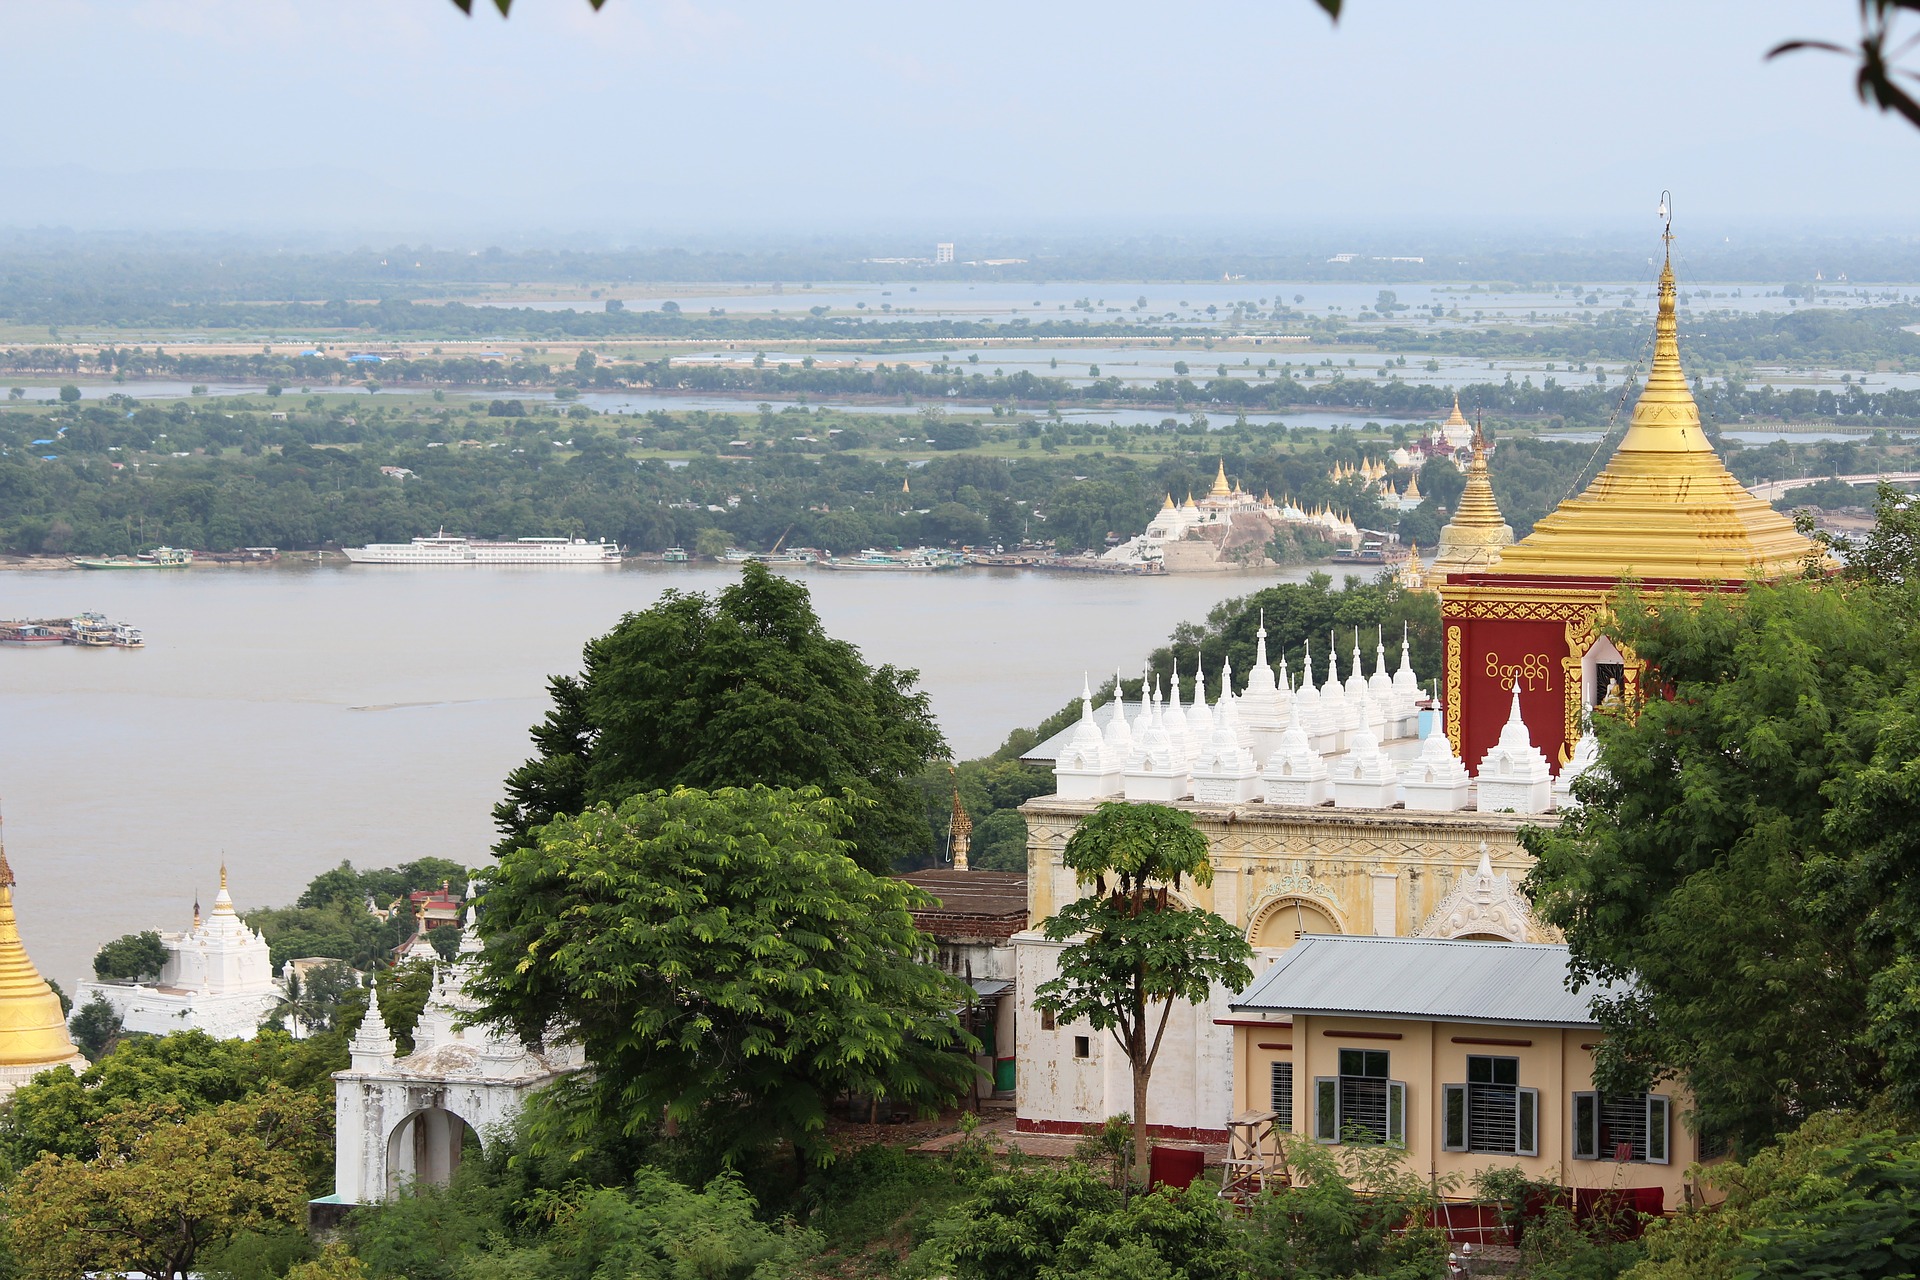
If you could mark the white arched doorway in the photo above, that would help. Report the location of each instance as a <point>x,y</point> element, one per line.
<point>426,1148</point>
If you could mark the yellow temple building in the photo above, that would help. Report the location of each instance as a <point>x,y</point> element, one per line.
<point>33,1030</point>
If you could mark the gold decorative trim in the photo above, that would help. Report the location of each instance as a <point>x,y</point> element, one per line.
<point>1453,687</point>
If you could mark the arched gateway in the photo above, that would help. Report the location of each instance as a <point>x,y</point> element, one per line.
<point>402,1120</point>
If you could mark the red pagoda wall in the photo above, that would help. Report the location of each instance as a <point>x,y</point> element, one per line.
<point>1491,654</point>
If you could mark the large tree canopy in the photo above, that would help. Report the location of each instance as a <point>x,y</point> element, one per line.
<point>741,689</point>
<point>719,956</point>
<point>1749,853</point>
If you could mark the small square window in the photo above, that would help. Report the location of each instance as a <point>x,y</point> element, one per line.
<point>1082,1047</point>
<point>1046,1019</point>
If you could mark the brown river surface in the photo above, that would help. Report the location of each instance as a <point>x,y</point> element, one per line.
<point>287,718</point>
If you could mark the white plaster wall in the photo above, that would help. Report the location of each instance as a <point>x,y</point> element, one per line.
<point>155,1012</point>
<point>1192,1084</point>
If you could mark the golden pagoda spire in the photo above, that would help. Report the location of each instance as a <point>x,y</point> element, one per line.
<point>1220,488</point>
<point>1664,506</point>
<point>1478,534</point>
<point>1413,485</point>
<point>1456,418</point>
<point>33,1030</point>
<point>1169,505</point>
<point>905,486</point>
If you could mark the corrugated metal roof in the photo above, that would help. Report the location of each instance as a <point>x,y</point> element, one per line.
<point>1425,978</point>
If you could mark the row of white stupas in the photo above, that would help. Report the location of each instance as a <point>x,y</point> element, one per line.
<point>1355,745</point>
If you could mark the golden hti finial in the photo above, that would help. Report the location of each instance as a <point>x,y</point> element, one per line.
<point>223,875</point>
<point>1220,486</point>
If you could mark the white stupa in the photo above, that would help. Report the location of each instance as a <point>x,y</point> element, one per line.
<point>1514,775</point>
<point>1153,772</point>
<point>1260,705</point>
<point>1296,774</point>
<point>1226,772</point>
<point>1380,684</point>
<point>1436,780</point>
<point>1356,683</point>
<point>217,978</point>
<point>1087,770</point>
<point>1364,778</point>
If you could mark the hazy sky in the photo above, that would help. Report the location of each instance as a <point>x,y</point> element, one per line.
<point>402,117</point>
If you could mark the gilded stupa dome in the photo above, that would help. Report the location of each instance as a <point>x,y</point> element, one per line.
<point>1665,507</point>
<point>33,1030</point>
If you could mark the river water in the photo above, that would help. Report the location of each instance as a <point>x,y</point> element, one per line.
<point>286,718</point>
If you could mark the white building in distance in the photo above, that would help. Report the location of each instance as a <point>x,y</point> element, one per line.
<point>218,978</point>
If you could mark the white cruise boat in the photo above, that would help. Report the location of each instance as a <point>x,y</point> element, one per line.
<point>441,549</point>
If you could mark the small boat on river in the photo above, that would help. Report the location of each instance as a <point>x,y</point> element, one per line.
<point>158,558</point>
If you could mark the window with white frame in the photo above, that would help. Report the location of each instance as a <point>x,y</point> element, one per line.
<point>1361,1104</point>
<point>1630,1127</point>
<point>1282,1082</point>
<point>1490,1113</point>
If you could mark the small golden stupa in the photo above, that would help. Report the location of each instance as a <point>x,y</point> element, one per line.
<point>1478,534</point>
<point>1221,489</point>
<point>33,1031</point>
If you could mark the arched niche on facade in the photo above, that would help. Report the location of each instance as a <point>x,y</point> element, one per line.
<point>1280,923</point>
<point>426,1148</point>
<point>1602,670</point>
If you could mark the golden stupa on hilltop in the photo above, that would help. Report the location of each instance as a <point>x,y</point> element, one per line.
<point>33,1030</point>
<point>1665,508</point>
<point>1477,535</point>
<point>1220,487</point>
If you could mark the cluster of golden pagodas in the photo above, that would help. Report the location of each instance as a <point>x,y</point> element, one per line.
<point>33,1029</point>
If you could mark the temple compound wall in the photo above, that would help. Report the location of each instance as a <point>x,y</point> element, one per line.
<point>1278,872</point>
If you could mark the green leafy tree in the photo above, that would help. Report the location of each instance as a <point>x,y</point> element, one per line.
<point>1069,1223</point>
<point>720,956</point>
<point>654,1229</point>
<point>58,1111</point>
<point>1748,854</point>
<point>95,1027</point>
<point>166,1185</point>
<point>1138,950</point>
<point>734,690</point>
<point>133,956</point>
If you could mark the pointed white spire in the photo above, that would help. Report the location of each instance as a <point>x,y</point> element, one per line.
<point>1155,771</point>
<point>372,1047</point>
<point>1200,717</point>
<point>1119,739</point>
<point>1144,721</point>
<point>1406,685</point>
<point>1175,720</point>
<point>1380,683</point>
<point>1514,774</point>
<point>1356,681</point>
<point>1086,770</point>
<point>1364,778</point>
